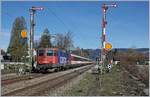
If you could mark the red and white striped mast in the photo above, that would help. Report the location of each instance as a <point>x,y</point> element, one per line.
<point>103,38</point>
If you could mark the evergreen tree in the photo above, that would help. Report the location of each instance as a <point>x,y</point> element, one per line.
<point>45,39</point>
<point>18,46</point>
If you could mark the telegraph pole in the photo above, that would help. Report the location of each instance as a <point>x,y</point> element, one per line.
<point>103,38</point>
<point>32,25</point>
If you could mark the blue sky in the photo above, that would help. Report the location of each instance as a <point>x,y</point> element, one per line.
<point>127,25</point>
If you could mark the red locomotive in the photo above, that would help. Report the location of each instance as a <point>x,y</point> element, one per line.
<point>54,58</point>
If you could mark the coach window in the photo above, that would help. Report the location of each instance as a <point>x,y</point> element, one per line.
<point>49,53</point>
<point>41,53</point>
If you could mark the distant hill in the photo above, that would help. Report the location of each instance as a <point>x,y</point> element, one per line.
<point>143,50</point>
<point>96,52</point>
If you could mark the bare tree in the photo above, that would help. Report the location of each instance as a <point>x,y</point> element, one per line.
<point>68,42</point>
<point>64,41</point>
<point>59,40</point>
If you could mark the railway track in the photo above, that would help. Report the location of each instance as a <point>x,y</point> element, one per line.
<point>20,78</point>
<point>40,87</point>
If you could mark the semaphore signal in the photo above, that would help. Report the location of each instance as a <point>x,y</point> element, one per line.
<point>103,38</point>
<point>32,24</point>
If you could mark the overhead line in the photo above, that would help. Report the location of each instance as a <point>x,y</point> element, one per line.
<point>58,18</point>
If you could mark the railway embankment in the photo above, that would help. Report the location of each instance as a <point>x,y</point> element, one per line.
<point>119,82</point>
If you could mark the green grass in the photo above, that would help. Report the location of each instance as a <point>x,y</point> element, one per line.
<point>109,84</point>
<point>82,88</point>
<point>112,83</point>
<point>116,83</point>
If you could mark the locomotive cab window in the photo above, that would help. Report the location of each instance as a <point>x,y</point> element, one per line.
<point>41,53</point>
<point>49,53</point>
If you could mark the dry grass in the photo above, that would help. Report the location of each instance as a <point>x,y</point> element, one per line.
<point>141,73</point>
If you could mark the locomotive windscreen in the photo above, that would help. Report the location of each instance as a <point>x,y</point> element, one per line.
<point>41,53</point>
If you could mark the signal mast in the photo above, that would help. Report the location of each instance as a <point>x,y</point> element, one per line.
<point>103,38</point>
<point>32,24</point>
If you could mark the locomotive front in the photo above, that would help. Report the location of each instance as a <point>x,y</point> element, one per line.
<point>47,58</point>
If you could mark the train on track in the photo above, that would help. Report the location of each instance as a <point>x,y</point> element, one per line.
<point>57,59</point>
